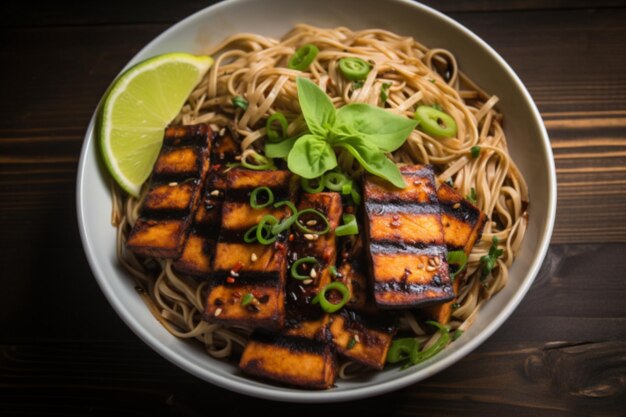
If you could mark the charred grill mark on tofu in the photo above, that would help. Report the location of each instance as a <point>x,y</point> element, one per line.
<point>361,331</point>
<point>175,186</point>
<point>462,221</point>
<point>240,268</point>
<point>306,359</point>
<point>406,241</point>
<point>290,360</point>
<point>323,249</point>
<point>199,248</point>
<point>365,339</point>
<point>463,224</point>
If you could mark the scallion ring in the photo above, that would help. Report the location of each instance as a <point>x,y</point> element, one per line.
<point>311,231</point>
<point>349,227</point>
<point>294,267</point>
<point>286,222</point>
<point>326,305</point>
<point>261,163</point>
<point>354,69</point>
<point>254,197</point>
<point>250,235</point>
<point>305,183</point>
<point>402,349</point>
<point>334,181</point>
<point>303,57</point>
<point>264,230</point>
<point>435,122</point>
<point>272,134</point>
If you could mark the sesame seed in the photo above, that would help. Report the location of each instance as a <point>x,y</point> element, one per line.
<point>437,261</point>
<point>395,223</point>
<point>253,257</point>
<point>234,273</point>
<point>356,338</point>
<point>311,236</point>
<point>173,184</point>
<point>222,131</point>
<point>431,261</point>
<point>313,274</point>
<point>218,311</point>
<point>456,206</point>
<point>307,281</point>
<point>311,223</point>
<point>431,268</point>
<point>215,193</point>
<point>417,182</point>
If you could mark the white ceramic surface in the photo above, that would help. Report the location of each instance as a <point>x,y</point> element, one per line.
<point>528,144</point>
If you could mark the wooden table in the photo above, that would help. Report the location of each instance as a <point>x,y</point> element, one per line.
<point>64,351</point>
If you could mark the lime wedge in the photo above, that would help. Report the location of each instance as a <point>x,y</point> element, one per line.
<point>138,107</point>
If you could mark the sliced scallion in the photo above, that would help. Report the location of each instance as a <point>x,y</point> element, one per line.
<point>254,197</point>
<point>458,258</point>
<point>303,57</point>
<point>349,227</point>
<point>354,69</point>
<point>334,181</point>
<point>272,133</point>
<point>306,185</point>
<point>247,299</point>
<point>435,122</point>
<point>317,214</point>
<point>264,230</point>
<point>326,305</point>
<point>294,267</point>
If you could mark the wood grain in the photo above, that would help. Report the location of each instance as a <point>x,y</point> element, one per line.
<point>64,351</point>
<point>582,97</point>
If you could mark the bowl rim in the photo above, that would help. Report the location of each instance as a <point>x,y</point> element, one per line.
<point>268,391</point>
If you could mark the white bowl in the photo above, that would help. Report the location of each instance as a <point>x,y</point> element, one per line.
<point>528,144</point>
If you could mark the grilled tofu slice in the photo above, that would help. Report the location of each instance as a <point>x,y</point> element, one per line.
<point>291,360</point>
<point>463,224</point>
<point>199,248</point>
<point>303,318</point>
<point>240,268</point>
<point>361,331</point>
<point>362,338</point>
<point>306,359</point>
<point>175,185</point>
<point>406,241</point>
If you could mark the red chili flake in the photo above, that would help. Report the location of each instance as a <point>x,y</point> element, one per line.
<point>230,280</point>
<point>280,245</point>
<point>395,217</point>
<point>291,237</point>
<point>256,293</point>
<point>216,167</point>
<point>237,267</point>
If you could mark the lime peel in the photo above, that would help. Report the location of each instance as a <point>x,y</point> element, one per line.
<point>138,106</point>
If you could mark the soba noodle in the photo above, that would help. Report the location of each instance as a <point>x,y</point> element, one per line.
<point>254,67</point>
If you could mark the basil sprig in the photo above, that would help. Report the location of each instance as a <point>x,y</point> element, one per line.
<point>366,132</point>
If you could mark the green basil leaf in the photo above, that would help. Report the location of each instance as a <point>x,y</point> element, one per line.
<point>372,159</point>
<point>311,156</point>
<point>280,149</point>
<point>379,127</point>
<point>317,109</point>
